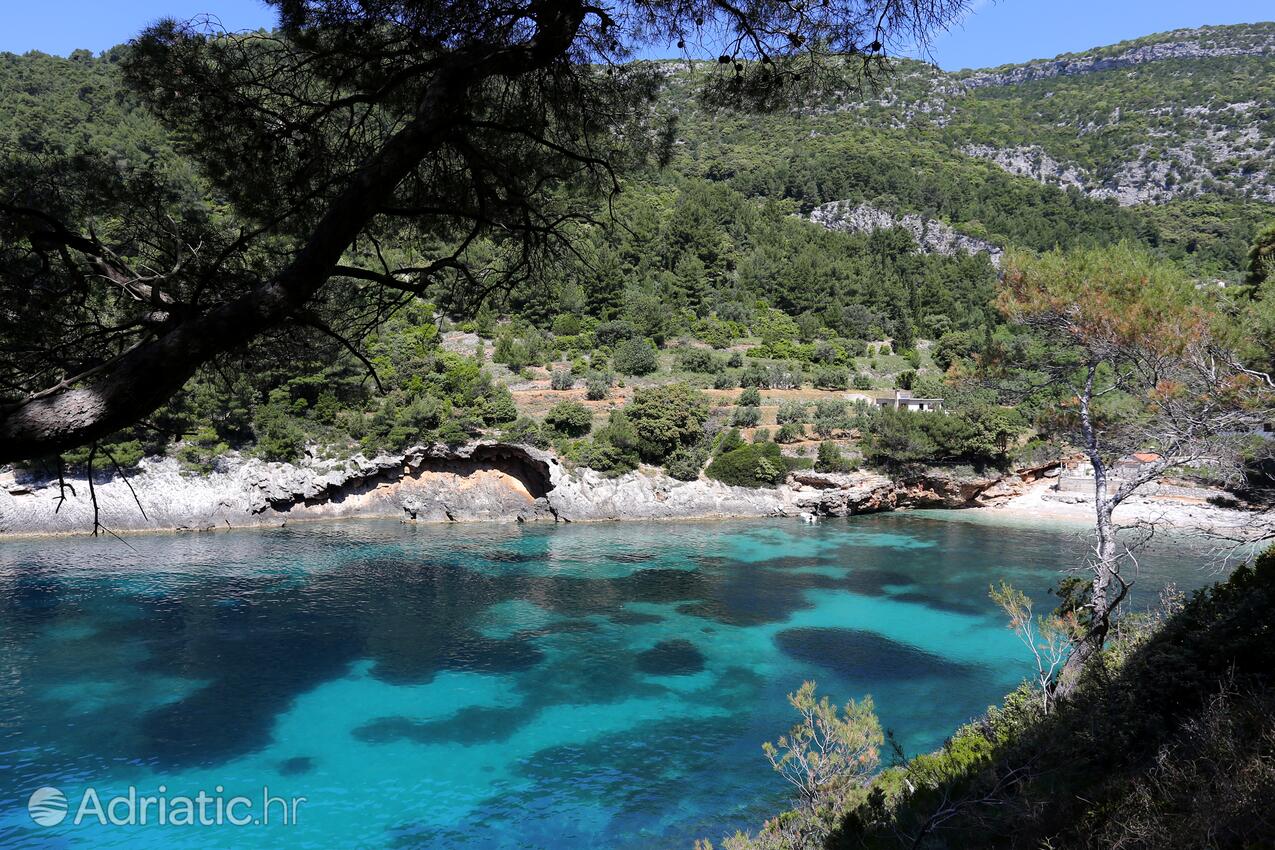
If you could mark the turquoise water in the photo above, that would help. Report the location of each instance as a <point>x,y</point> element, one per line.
<point>604,685</point>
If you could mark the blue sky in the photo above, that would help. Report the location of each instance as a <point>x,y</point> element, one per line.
<point>996,32</point>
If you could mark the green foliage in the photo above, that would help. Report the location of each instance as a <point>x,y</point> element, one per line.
<point>862,381</point>
<point>615,446</point>
<point>903,437</point>
<point>526,431</point>
<point>699,360</point>
<point>596,388</point>
<point>667,418</point>
<point>570,418</point>
<point>831,378</point>
<point>561,379</point>
<point>830,417</point>
<point>790,432</point>
<point>685,463</point>
<point>634,357</point>
<point>830,458</point>
<point>749,465</point>
<point>745,417</point>
<point>791,411</point>
<point>198,452</point>
<point>749,397</point>
<point>279,438</point>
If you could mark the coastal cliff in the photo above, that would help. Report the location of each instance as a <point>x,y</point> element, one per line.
<point>485,481</point>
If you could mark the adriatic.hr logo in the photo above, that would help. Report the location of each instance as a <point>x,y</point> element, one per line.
<point>49,807</point>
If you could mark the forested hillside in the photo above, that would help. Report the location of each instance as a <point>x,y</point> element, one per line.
<point>707,268</point>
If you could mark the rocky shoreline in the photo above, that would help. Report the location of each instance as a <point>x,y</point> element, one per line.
<point>486,481</point>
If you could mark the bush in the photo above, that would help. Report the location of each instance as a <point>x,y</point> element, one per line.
<point>595,388</point>
<point>750,397</point>
<point>745,417</point>
<point>790,432</point>
<point>667,418</point>
<point>905,380</point>
<point>831,378</point>
<point>565,324</point>
<point>685,464</point>
<point>750,465</point>
<point>570,418</point>
<point>561,379</point>
<point>830,458</point>
<point>279,438</point>
<point>831,416</point>
<point>724,381</point>
<point>634,357</point>
<point>615,446</point>
<point>452,432</point>
<point>727,440</point>
<point>791,411</point>
<point>699,360</point>
<point>526,431</point>
<point>199,451</point>
<point>735,360</point>
<point>609,333</point>
<point>862,381</point>
<point>497,405</point>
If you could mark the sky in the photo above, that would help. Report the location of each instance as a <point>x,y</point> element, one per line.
<point>994,33</point>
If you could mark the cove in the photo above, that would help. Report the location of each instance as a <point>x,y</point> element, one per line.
<point>568,686</point>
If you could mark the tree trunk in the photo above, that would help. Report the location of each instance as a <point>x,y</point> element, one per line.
<point>79,411</point>
<point>1105,564</point>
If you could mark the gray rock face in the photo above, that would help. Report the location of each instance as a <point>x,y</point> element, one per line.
<point>1186,44</point>
<point>491,482</point>
<point>933,237</point>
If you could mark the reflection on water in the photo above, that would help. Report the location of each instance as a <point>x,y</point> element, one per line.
<point>491,687</point>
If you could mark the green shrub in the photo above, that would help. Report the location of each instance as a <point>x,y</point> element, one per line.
<point>699,360</point>
<point>790,432</point>
<point>608,334</point>
<point>198,452</point>
<point>565,324</point>
<point>831,416</point>
<point>745,417</point>
<point>497,405</point>
<point>905,380</point>
<point>830,459</point>
<point>751,465</point>
<point>735,360</point>
<point>724,381</point>
<point>615,446</point>
<point>279,438</point>
<point>685,463</point>
<point>526,431</point>
<point>561,379</point>
<point>791,411</point>
<point>452,432</point>
<point>749,397</point>
<point>667,418</point>
<point>570,418</point>
<point>596,387</point>
<point>861,381</point>
<point>634,357</point>
<point>831,378</point>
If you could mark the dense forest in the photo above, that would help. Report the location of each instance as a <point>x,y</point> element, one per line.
<point>703,270</point>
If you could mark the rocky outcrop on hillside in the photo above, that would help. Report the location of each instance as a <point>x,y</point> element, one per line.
<point>1179,44</point>
<point>933,237</point>
<point>493,482</point>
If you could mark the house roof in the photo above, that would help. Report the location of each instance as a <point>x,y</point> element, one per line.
<point>1145,457</point>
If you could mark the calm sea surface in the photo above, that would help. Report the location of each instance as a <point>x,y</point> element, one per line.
<point>563,687</point>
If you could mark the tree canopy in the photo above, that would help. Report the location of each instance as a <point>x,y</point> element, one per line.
<point>477,129</point>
